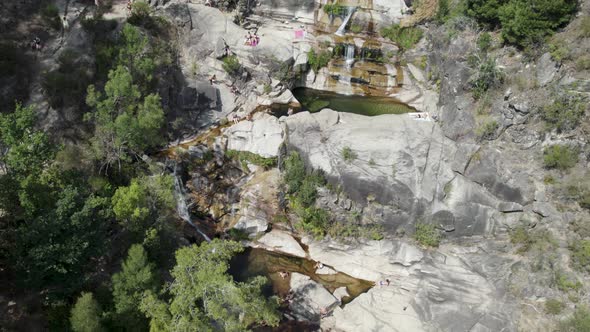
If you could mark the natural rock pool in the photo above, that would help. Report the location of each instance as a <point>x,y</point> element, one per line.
<point>253,262</point>
<point>316,100</point>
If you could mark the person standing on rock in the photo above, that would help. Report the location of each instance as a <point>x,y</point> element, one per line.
<point>65,23</point>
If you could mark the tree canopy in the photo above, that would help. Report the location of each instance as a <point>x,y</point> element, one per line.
<point>86,315</point>
<point>204,297</point>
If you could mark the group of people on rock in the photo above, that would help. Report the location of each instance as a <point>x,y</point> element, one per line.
<point>252,39</point>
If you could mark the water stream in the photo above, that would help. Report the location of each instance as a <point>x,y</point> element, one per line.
<point>342,28</point>
<point>182,207</point>
<point>349,55</point>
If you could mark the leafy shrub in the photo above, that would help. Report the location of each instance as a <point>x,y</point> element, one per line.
<point>294,172</point>
<point>443,11</point>
<point>333,9</point>
<point>560,157</point>
<point>486,129</point>
<point>50,15</point>
<point>427,235</point>
<point>347,154</point>
<point>484,42</point>
<point>580,254</point>
<point>583,63</point>
<point>566,284</point>
<point>529,239</point>
<point>315,220</point>
<point>347,230</point>
<point>554,306</point>
<point>559,50</point>
<point>486,77</point>
<point>585,27</point>
<point>356,28</point>
<point>565,113</point>
<point>246,156</point>
<point>231,65</point>
<point>578,322</point>
<point>318,60</point>
<point>404,37</point>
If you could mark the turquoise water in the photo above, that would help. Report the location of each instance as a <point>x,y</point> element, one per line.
<point>315,100</point>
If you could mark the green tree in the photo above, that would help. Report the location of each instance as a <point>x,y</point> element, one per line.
<point>85,316</point>
<point>124,125</point>
<point>144,202</point>
<point>137,276</point>
<point>486,12</point>
<point>28,150</point>
<point>56,246</point>
<point>205,296</point>
<point>525,22</point>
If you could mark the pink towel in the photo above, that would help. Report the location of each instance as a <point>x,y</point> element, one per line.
<point>299,34</point>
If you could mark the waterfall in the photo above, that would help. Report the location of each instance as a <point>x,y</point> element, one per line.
<point>349,12</point>
<point>182,208</point>
<point>349,55</point>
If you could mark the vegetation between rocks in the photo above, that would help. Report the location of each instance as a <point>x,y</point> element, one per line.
<point>427,235</point>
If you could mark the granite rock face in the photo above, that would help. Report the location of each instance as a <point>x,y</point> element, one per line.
<point>407,167</point>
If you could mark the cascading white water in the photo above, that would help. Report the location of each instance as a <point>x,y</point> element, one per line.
<point>349,55</point>
<point>349,12</point>
<point>182,208</point>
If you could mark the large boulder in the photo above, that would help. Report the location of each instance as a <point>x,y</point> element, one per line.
<point>262,136</point>
<point>405,166</point>
<point>280,241</point>
<point>450,289</point>
<point>310,298</point>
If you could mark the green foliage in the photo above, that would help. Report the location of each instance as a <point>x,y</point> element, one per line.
<point>585,27</point>
<point>319,60</point>
<point>125,125</point>
<point>333,9</point>
<point>484,42</point>
<point>59,224</point>
<point>50,15</point>
<point>560,157</point>
<point>427,235</point>
<point>539,240</point>
<point>578,322</point>
<point>486,77</point>
<point>144,202</point>
<point>231,65</point>
<point>245,156</point>
<point>580,255</point>
<point>565,113</point>
<point>86,314</point>
<point>554,306</point>
<point>137,276</point>
<point>141,12</point>
<point>404,37</point>
<point>566,284</point>
<point>314,220</point>
<point>267,88</point>
<point>583,63</point>
<point>443,11</point>
<point>487,129</point>
<point>525,22</point>
<point>66,85</point>
<point>486,12</point>
<point>347,154</point>
<point>28,149</point>
<point>559,50</point>
<point>355,230</point>
<point>204,297</point>
<point>294,172</point>
<point>356,28</point>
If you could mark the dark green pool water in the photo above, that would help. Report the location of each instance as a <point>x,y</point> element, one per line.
<point>315,100</point>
